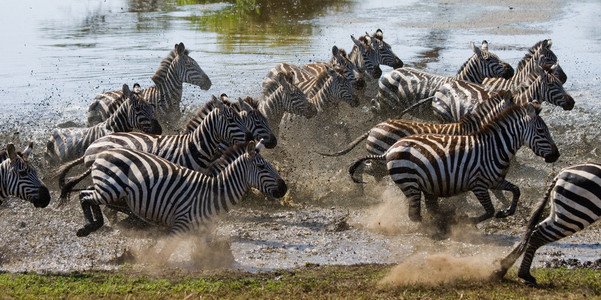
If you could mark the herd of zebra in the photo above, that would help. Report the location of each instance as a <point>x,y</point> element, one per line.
<point>486,112</point>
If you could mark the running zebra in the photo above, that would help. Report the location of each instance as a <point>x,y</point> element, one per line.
<point>455,99</point>
<point>575,195</point>
<point>446,165</point>
<point>169,195</point>
<point>322,87</point>
<point>18,178</point>
<point>280,95</point>
<point>134,113</point>
<point>165,95</point>
<point>248,110</point>
<point>539,55</point>
<point>194,151</point>
<point>339,59</point>
<point>405,86</point>
<point>376,52</point>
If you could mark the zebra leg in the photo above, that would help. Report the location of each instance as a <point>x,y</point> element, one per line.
<point>90,210</point>
<point>484,198</point>
<point>515,191</point>
<point>413,196</point>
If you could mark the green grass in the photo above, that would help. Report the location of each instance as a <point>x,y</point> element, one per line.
<point>309,282</point>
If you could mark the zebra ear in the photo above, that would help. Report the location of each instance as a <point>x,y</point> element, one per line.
<point>126,91</point>
<point>484,45</point>
<point>357,43</point>
<point>507,96</point>
<point>251,148</point>
<point>180,48</point>
<point>335,51</point>
<point>476,50</point>
<point>534,108</point>
<point>27,150</point>
<point>245,105</point>
<point>379,35</point>
<point>12,153</point>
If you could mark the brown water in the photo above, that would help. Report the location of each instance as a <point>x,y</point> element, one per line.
<point>57,57</point>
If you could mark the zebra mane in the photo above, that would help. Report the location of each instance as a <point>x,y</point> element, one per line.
<point>252,102</point>
<point>161,73</point>
<point>227,157</point>
<point>531,52</point>
<point>493,123</point>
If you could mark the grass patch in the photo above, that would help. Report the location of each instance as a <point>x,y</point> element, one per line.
<point>309,282</point>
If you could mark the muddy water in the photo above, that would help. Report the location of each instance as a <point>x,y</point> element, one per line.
<point>57,57</point>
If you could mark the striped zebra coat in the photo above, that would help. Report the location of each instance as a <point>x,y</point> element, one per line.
<point>169,195</point>
<point>175,69</point>
<point>195,150</point>
<point>446,165</point>
<point>248,110</point>
<point>405,86</point>
<point>539,55</point>
<point>281,95</point>
<point>371,51</point>
<point>18,178</point>
<point>575,196</point>
<point>134,113</point>
<point>455,99</point>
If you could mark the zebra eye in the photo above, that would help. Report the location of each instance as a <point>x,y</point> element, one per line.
<point>22,173</point>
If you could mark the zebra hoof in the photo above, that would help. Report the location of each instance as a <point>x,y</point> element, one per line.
<point>497,275</point>
<point>529,279</point>
<point>89,228</point>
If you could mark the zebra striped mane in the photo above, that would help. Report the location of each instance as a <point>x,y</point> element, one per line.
<point>227,157</point>
<point>503,115</point>
<point>161,73</point>
<point>252,102</point>
<point>531,52</point>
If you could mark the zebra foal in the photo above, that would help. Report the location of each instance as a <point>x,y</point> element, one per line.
<point>169,195</point>
<point>575,196</point>
<point>18,178</point>
<point>134,113</point>
<point>175,69</point>
<point>446,165</point>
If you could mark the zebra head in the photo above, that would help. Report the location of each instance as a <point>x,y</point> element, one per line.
<point>256,122</point>
<point>547,87</point>
<point>140,113</point>
<point>369,60</point>
<point>484,64</point>
<point>542,52</point>
<point>227,124</point>
<point>294,99</point>
<point>339,58</point>
<point>261,174</point>
<point>187,69</point>
<point>387,56</point>
<point>19,179</point>
<point>537,135</point>
<point>341,88</point>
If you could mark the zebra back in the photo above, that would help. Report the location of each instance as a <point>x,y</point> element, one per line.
<point>18,178</point>
<point>177,67</point>
<point>181,199</point>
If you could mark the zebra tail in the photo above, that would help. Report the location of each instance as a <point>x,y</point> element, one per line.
<point>64,169</point>
<point>356,164</point>
<point>349,147</point>
<point>70,184</point>
<point>414,105</point>
<point>510,259</point>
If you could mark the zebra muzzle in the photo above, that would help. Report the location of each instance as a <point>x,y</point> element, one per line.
<point>43,198</point>
<point>553,156</point>
<point>281,189</point>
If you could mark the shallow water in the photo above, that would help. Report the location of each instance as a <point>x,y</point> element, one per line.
<point>57,57</point>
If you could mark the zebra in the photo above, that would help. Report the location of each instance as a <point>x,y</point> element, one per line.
<point>406,85</point>
<point>454,99</point>
<point>175,69</point>
<point>322,87</point>
<point>280,95</point>
<point>169,195</point>
<point>18,178</point>
<point>339,59</point>
<point>539,55</point>
<point>134,113</point>
<point>194,150</point>
<point>446,165</point>
<point>374,52</point>
<point>254,121</point>
<point>575,195</point>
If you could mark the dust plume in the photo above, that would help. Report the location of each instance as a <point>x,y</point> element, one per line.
<point>433,269</point>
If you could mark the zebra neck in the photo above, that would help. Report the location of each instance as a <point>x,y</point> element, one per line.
<point>321,92</point>
<point>503,139</point>
<point>356,58</point>
<point>533,92</point>
<point>470,71</point>
<point>169,87</point>
<point>204,139</point>
<point>223,191</point>
<point>118,121</point>
<point>272,106</point>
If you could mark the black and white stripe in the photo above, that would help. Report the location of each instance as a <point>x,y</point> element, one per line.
<point>405,86</point>
<point>455,99</point>
<point>169,195</point>
<point>18,178</point>
<point>175,69</point>
<point>575,196</point>
<point>446,165</point>
<point>134,113</point>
